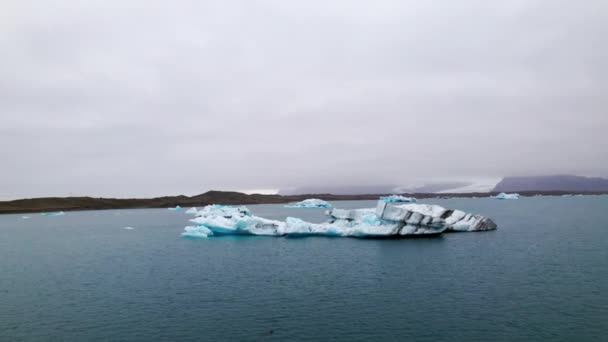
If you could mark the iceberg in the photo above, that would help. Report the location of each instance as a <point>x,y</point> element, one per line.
<point>310,203</point>
<point>383,221</point>
<point>177,208</point>
<point>58,213</point>
<point>192,210</point>
<point>452,220</point>
<point>397,199</point>
<point>505,196</point>
<point>197,232</point>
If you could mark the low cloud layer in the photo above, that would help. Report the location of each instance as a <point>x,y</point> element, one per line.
<point>142,98</point>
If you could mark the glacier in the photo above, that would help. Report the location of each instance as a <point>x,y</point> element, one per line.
<point>310,203</point>
<point>397,199</point>
<point>505,196</point>
<point>385,220</point>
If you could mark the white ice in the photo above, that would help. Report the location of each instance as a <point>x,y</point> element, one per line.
<point>197,232</point>
<point>58,213</point>
<point>310,203</point>
<point>192,210</point>
<point>383,221</point>
<point>505,196</point>
<point>434,216</point>
<point>397,199</point>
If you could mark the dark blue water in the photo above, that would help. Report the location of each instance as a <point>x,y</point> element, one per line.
<point>82,277</point>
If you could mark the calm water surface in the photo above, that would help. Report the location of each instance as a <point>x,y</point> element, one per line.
<point>83,277</point>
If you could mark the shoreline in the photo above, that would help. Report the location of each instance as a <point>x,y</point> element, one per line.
<point>50,204</point>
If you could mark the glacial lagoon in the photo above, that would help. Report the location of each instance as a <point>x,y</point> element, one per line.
<point>130,275</point>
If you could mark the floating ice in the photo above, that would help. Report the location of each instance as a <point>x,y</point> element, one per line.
<point>397,199</point>
<point>383,221</point>
<point>429,215</point>
<point>129,228</point>
<point>25,217</point>
<point>505,196</point>
<point>197,232</point>
<point>177,208</point>
<point>310,203</point>
<point>58,213</point>
<point>192,210</point>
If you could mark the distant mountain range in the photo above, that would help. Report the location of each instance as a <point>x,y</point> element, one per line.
<point>552,183</point>
<point>527,186</point>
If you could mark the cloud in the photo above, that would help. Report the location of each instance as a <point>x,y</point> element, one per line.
<point>140,98</point>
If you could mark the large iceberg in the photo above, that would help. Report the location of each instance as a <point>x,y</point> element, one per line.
<point>397,199</point>
<point>310,203</point>
<point>383,221</point>
<point>505,196</point>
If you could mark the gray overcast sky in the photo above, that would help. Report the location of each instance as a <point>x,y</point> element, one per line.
<point>140,98</point>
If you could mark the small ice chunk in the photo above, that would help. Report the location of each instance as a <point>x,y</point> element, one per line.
<point>310,203</point>
<point>25,217</point>
<point>57,213</point>
<point>505,196</point>
<point>397,199</point>
<point>197,232</point>
<point>192,210</point>
<point>176,208</point>
<point>128,228</point>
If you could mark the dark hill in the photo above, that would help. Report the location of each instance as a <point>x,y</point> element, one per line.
<point>210,197</point>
